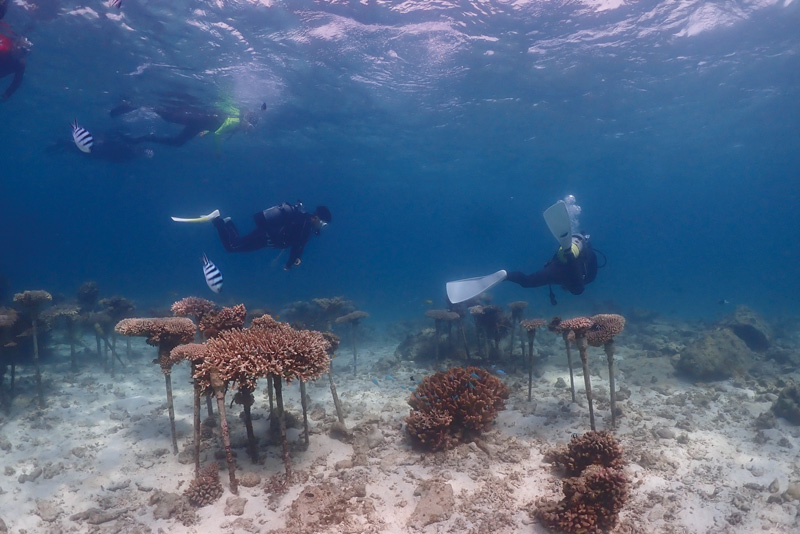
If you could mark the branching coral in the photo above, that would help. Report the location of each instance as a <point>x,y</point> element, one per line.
<point>268,348</point>
<point>592,448</point>
<point>193,307</point>
<point>206,488</point>
<point>596,490</point>
<point>216,321</point>
<point>453,406</point>
<point>591,504</point>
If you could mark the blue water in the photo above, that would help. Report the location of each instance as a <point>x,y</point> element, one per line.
<point>437,133</point>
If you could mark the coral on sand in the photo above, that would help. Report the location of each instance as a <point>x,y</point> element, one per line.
<point>206,488</point>
<point>453,406</point>
<point>268,349</point>
<point>591,504</point>
<point>595,491</point>
<point>592,448</point>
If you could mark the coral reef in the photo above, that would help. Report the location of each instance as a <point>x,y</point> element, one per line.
<point>319,314</point>
<point>440,318</point>
<point>453,406</point>
<point>206,488</point>
<point>595,491</point>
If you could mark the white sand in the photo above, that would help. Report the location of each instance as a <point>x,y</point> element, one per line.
<point>104,442</point>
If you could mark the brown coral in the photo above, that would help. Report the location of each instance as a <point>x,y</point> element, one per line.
<point>206,488</point>
<point>454,405</point>
<point>592,448</point>
<point>605,327</point>
<point>596,489</point>
<point>216,321</point>
<point>591,504</point>
<point>193,307</point>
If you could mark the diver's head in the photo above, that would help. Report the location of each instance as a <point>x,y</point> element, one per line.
<point>321,218</point>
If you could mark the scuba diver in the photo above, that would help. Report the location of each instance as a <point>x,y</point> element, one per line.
<point>286,226</point>
<point>13,51</point>
<point>196,119</point>
<point>572,267</point>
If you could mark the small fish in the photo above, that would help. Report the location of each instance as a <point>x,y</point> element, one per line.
<point>115,3</point>
<point>375,381</point>
<point>263,106</point>
<point>500,372</point>
<point>83,139</point>
<point>389,377</point>
<point>213,276</point>
<point>724,302</point>
<point>429,302</point>
<point>475,376</point>
<point>411,378</point>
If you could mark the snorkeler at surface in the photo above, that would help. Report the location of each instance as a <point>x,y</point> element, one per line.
<point>13,51</point>
<point>196,121</point>
<point>286,226</point>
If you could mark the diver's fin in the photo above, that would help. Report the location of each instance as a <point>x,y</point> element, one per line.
<point>557,219</point>
<point>461,290</point>
<point>205,218</point>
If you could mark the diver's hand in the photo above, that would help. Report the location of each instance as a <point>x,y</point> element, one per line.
<point>295,264</point>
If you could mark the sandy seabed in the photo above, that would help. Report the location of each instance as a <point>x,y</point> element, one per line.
<point>98,458</point>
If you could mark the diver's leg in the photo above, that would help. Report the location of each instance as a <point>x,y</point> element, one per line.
<point>233,242</point>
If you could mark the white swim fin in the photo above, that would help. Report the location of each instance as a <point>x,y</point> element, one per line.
<point>557,219</point>
<point>461,290</point>
<point>205,218</point>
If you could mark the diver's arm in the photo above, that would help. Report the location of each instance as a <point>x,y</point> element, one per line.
<point>16,82</point>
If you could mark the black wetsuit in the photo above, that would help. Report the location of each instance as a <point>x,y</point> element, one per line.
<point>283,226</point>
<point>10,63</point>
<point>563,269</point>
<point>194,122</point>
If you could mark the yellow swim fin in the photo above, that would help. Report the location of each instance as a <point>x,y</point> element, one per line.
<point>205,218</point>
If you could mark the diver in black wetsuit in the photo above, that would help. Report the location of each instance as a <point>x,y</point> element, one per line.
<point>283,226</point>
<point>196,121</point>
<point>12,61</point>
<point>3,8</point>
<point>571,269</point>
